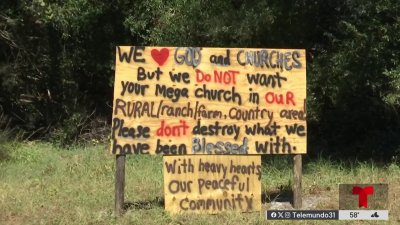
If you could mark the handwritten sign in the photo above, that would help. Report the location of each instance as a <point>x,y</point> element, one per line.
<point>212,184</point>
<point>184,100</point>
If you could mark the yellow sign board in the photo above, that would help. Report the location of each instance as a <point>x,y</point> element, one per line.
<point>185,100</point>
<point>211,183</point>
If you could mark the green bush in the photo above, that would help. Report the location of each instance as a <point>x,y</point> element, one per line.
<point>57,59</point>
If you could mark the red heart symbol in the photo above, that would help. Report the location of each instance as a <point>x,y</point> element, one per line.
<point>160,56</point>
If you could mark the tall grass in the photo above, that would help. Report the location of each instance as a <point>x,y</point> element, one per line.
<point>44,184</point>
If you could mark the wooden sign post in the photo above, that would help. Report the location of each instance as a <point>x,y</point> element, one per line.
<point>119,184</point>
<point>297,174</point>
<point>208,101</point>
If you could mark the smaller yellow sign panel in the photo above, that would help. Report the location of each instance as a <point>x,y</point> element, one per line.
<point>212,184</point>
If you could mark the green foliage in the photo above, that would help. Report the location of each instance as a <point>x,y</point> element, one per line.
<point>354,89</point>
<point>392,95</point>
<point>57,59</point>
<point>70,129</point>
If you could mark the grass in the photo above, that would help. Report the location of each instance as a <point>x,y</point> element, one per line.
<point>41,184</point>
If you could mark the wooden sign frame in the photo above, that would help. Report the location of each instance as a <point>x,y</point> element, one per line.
<point>289,59</point>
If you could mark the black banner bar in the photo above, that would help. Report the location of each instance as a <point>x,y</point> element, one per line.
<point>302,214</point>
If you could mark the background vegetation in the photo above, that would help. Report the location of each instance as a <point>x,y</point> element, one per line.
<point>57,60</point>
